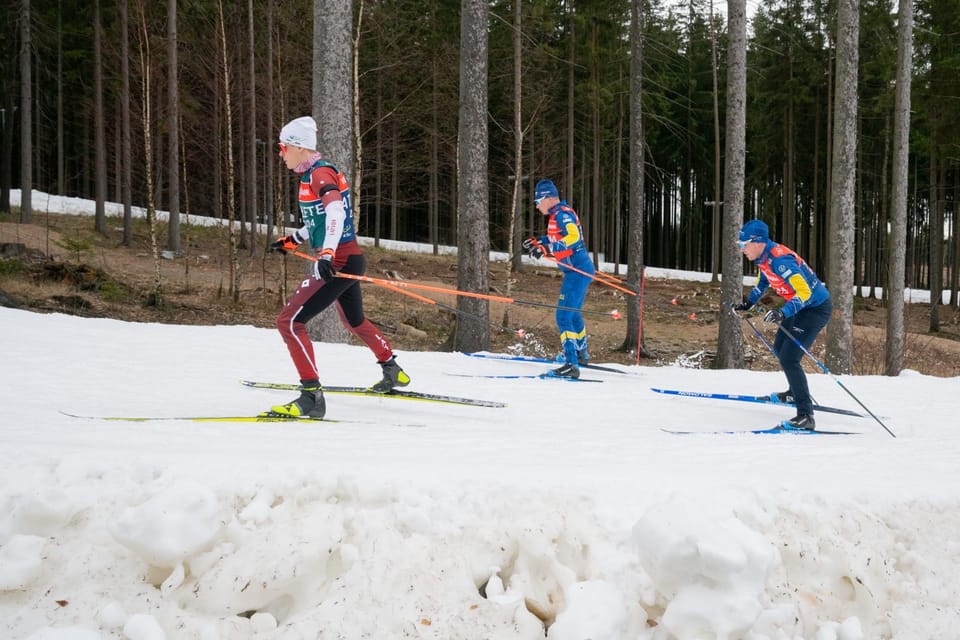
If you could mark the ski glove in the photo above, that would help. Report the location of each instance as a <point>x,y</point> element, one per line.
<point>743,306</point>
<point>774,316</point>
<point>287,243</point>
<point>533,248</point>
<point>323,267</point>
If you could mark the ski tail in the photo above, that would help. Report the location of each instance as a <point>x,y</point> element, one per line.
<point>533,376</point>
<point>533,359</point>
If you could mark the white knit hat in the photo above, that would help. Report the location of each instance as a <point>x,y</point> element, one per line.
<point>301,132</point>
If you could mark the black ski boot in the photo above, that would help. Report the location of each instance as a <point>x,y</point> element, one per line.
<point>310,404</point>
<point>393,376</point>
<point>803,422</point>
<point>566,371</point>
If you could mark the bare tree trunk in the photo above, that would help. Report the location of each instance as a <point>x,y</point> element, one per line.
<point>571,120</point>
<point>268,138</point>
<point>61,173</point>
<point>100,142</point>
<point>433,196</point>
<point>717,202</point>
<point>126,144</point>
<point>173,123</point>
<point>394,179</point>
<point>356,182</point>
<point>516,214</point>
<point>6,143</point>
<point>378,188</point>
<point>896,261</point>
<point>333,109</point>
<point>228,143</point>
<point>145,98</point>
<point>617,185</point>
<point>955,231</point>
<point>472,331</point>
<point>789,231</point>
<point>633,341</point>
<point>839,335</point>
<point>252,133</point>
<point>730,338</point>
<point>938,190</point>
<point>26,120</point>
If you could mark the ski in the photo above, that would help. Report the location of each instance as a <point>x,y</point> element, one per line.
<point>257,418</point>
<point>509,358</point>
<point>771,399</point>
<point>775,430</point>
<point>395,393</point>
<point>540,376</point>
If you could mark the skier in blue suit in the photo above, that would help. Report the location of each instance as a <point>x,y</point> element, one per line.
<point>564,241</point>
<point>805,313</point>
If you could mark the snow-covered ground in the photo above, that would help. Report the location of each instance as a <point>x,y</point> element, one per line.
<point>569,514</point>
<point>570,505</point>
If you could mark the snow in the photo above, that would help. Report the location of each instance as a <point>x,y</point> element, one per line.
<point>569,514</point>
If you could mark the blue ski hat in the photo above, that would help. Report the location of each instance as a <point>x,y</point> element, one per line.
<point>545,189</point>
<point>755,231</point>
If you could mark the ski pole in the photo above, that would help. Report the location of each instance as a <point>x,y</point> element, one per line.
<point>823,367</point>
<point>595,277</point>
<point>760,335</point>
<point>520,333</point>
<point>469,294</point>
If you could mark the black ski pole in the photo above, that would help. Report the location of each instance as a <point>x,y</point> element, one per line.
<point>790,335</point>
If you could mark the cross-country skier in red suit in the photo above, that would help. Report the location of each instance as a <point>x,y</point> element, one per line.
<point>325,208</point>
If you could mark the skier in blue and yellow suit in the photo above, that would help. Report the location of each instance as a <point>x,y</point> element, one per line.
<point>564,241</point>
<point>805,313</point>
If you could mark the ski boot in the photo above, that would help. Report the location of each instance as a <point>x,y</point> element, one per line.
<point>801,422</point>
<point>566,371</point>
<point>310,404</point>
<point>782,397</point>
<point>393,376</point>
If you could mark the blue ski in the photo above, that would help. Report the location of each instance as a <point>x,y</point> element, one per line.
<point>776,430</point>
<point>509,358</point>
<point>771,399</point>
<point>540,376</point>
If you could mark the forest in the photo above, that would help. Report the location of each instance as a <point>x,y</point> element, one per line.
<point>559,75</point>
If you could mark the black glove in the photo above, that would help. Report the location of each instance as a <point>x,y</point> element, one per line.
<point>533,248</point>
<point>743,306</point>
<point>774,316</point>
<point>286,243</point>
<point>323,268</point>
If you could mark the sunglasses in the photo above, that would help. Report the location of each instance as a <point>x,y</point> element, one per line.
<point>283,147</point>
<point>537,201</point>
<point>742,244</point>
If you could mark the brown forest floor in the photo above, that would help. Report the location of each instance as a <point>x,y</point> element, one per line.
<point>69,269</point>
